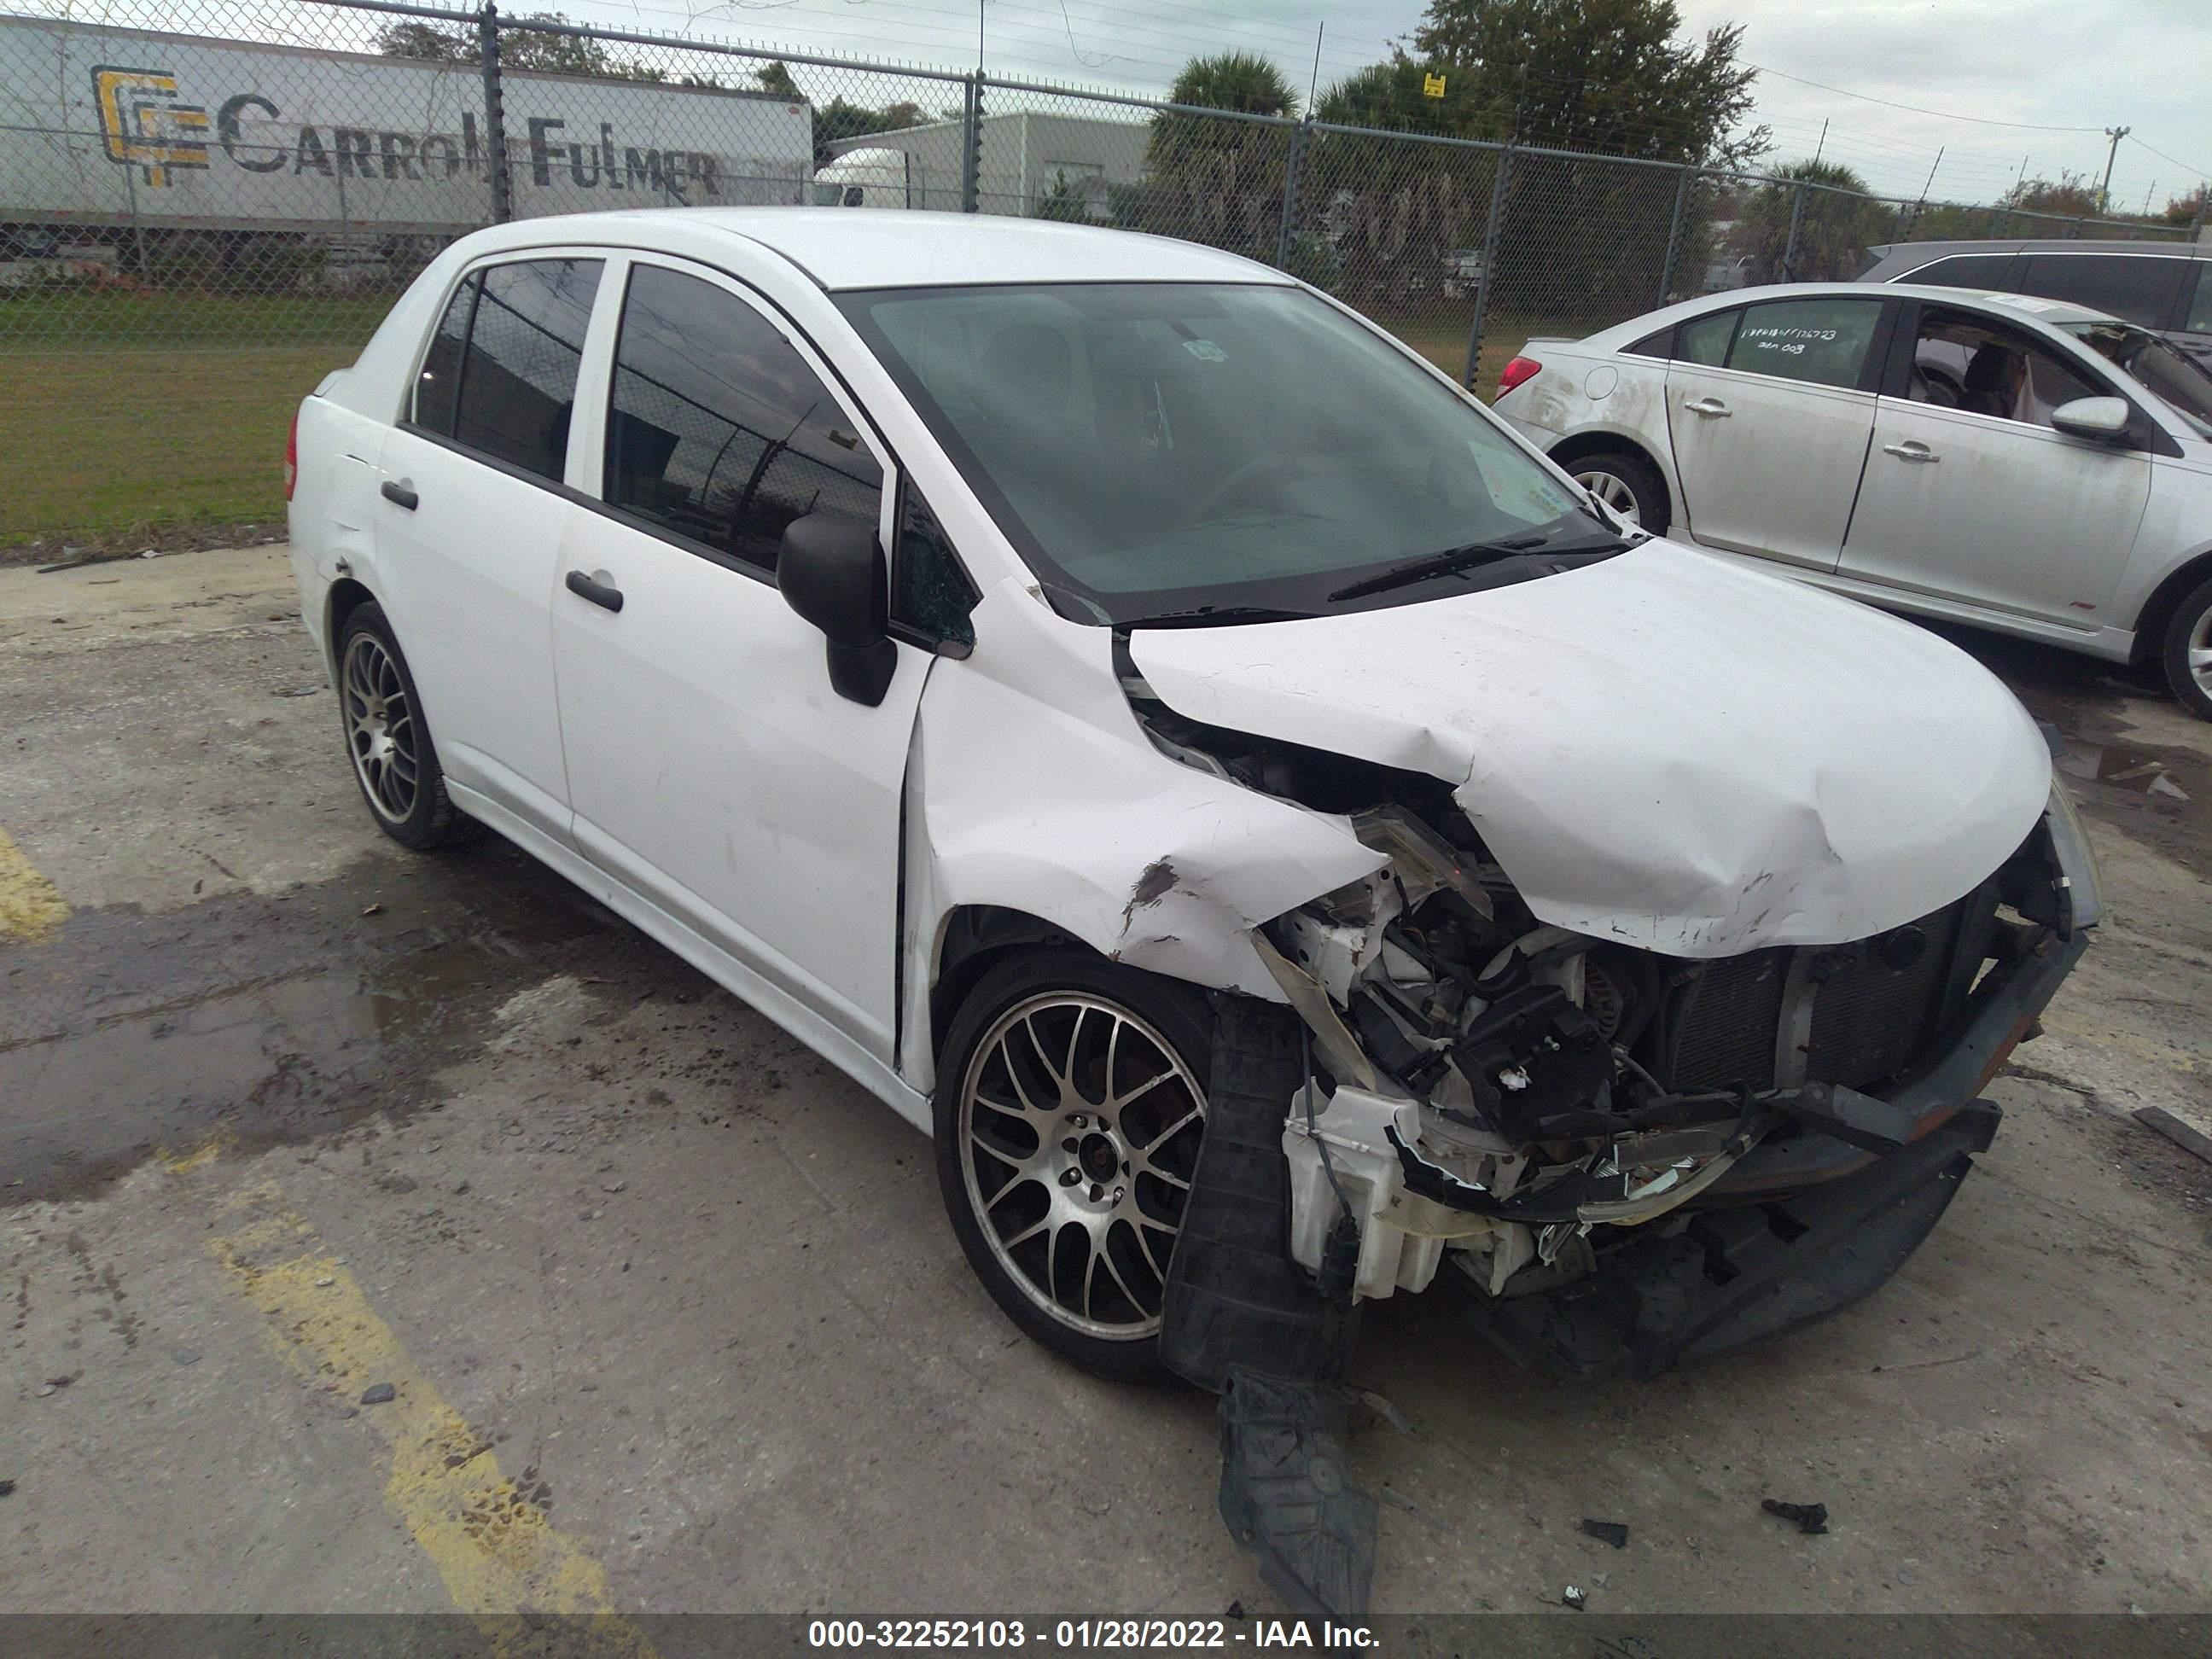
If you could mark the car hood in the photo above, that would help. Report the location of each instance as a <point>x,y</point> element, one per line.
<point>1662,747</point>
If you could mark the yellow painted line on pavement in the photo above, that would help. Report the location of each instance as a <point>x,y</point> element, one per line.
<point>500,1555</point>
<point>30,909</point>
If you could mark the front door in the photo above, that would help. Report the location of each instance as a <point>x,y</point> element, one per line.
<point>1970,494</point>
<point>469,526</point>
<point>712,768</point>
<point>1769,409</point>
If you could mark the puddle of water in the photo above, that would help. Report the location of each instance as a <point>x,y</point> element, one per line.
<point>272,1018</point>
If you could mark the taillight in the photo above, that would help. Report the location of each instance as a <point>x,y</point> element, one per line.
<point>292,456</point>
<point>1520,369</point>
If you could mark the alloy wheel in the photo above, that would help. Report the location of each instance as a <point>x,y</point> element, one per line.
<point>381,729</point>
<point>1613,492</point>
<point>1079,1129</point>
<point>2198,651</point>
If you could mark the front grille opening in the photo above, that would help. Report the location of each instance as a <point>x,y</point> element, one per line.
<point>1879,1004</point>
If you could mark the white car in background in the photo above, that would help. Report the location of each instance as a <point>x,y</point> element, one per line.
<point>2022,465</point>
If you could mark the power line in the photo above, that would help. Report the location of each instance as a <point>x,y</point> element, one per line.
<point>1915,109</point>
<point>2200,172</point>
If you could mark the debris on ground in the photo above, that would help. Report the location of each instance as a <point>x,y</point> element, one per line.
<point>1383,1408</point>
<point>1236,1610</point>
<point>7,1488</point>
<point>371,909</point>
<point>1809,1517</point>
<point>1572,1597</point>
<point>2187,1136</point>
<point>1614,1532</point>
<point>378,1394</point>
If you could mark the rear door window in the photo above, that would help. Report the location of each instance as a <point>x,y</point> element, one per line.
<point>1820,342</point>
<point>518,389</point>
<point>2136,287</point>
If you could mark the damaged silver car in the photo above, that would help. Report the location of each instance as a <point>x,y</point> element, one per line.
<point>1286,842</point>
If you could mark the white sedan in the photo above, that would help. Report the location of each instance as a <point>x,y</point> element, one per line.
<point>1286,850</point>
<point>2021,465</point>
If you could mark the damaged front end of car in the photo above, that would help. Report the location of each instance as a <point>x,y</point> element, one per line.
<point>1620,1158</point>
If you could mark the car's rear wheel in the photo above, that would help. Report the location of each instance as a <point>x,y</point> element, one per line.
<point>387,739</point>
<point>1627,484</point>
<point>1070,1105</point>
<point>2189,651</point>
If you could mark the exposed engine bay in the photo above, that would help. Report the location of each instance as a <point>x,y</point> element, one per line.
<point>1502,1099</point>
<point>1625,1158</point>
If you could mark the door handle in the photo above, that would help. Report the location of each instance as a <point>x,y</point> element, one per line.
<point>606,598</point>
<point>1911,450</point>
<point>1711,408</point>
<point>401,496</point>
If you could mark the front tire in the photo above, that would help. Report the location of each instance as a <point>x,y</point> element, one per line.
<point>1070,1104</point>
<point>1627,484</point>
<point>2187,651</point>
<point>388,740</point>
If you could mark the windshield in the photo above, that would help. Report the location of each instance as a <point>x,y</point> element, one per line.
<point>2168,372</point>
<point>1166,449</point>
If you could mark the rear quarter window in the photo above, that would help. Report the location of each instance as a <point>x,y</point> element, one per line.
<point>1990,271</point>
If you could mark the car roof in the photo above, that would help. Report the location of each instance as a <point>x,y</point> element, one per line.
<point>894,248</point>
<point>1920,253</point>
<point>2054,313</point>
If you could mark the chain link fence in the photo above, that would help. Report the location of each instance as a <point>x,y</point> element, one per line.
<point>253,181</point>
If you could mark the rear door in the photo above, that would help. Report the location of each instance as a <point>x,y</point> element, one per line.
<point>1769,409</point>
<point>713,769</point>
<point>470,520</point>
<point>1970,494</point>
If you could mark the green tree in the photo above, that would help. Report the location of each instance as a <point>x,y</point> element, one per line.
<point>775,77</point>
<point>1606,76</point>
<point>1393,212</point>
<point>1218,181</point>
<point>520,48</point>
<point>1838,223</point>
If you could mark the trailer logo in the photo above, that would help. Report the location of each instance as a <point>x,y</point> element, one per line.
<point>143,125</point>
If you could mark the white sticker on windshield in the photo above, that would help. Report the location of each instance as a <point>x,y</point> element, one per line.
<point>1206,351</point>
<point>1518,486</point>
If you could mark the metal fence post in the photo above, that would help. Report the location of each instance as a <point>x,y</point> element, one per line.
<point>971,145</point>
<point>1796,219</point>
<point>1490,237</point>
<point>1290,215</point>
<point>1674,231</point>
<point>502,185</point>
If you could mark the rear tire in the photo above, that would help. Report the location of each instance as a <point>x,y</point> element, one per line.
<point>1629,485</point>
<point>2187,653</point>
<point>388,740</point>
<point>1070,1104</point>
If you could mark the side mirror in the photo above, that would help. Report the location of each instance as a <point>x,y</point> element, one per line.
<point>830,571</point>
<point>2104,418</point>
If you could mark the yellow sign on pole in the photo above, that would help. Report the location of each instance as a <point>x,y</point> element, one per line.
<point>1432,85</point>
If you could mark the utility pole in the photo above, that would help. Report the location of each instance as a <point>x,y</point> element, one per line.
<point>2104,193</point>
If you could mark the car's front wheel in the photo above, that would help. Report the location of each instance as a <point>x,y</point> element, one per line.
<point>387,739</point>
<point>2187,651</point>
<point>1628,485</point>
<point>1071,1101</point>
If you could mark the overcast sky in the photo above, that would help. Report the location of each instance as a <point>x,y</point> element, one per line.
<point>2081,64</point>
